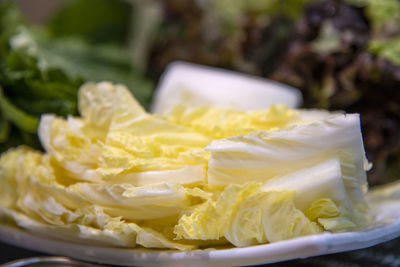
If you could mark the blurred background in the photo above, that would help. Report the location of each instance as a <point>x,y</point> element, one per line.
<point>342,55</point>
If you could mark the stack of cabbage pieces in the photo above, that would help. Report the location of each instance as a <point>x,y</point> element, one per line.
<point>199,177</point>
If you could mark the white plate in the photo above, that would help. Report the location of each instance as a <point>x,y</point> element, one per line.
<point>385,205</point>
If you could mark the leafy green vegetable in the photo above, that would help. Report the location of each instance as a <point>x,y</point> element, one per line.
<point>95,63</point>
<point>27,88</point>
<point>41,74</point>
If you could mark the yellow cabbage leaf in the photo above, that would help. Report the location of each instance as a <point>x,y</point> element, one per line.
<point>245,215</point>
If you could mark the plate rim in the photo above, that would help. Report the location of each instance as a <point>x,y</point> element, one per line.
<point>301,247</point>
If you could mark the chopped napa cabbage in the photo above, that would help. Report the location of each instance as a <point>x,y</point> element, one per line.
<point>73,232</point>
<point>140,148</point>
<point>135,203</point>
<point>116,139</point>
<point>321,180</point>
<point>93,213</point>
<point>339,224</point>
<point>119,176</point>
<point>322,208</point>
<point>114,232</point>
<point>103,102</point>
<point>263,155</point>
<point>282,220</point>
<point>8,171</point>
<point>322,159</point>
<point>74,150</point>
<point>186,175</point>
<point>245,215</point>
<point>330,216</point>
<point>143,148</point>
<point>76,143</point>
<point>217,122</point>
<point>41,194</point>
